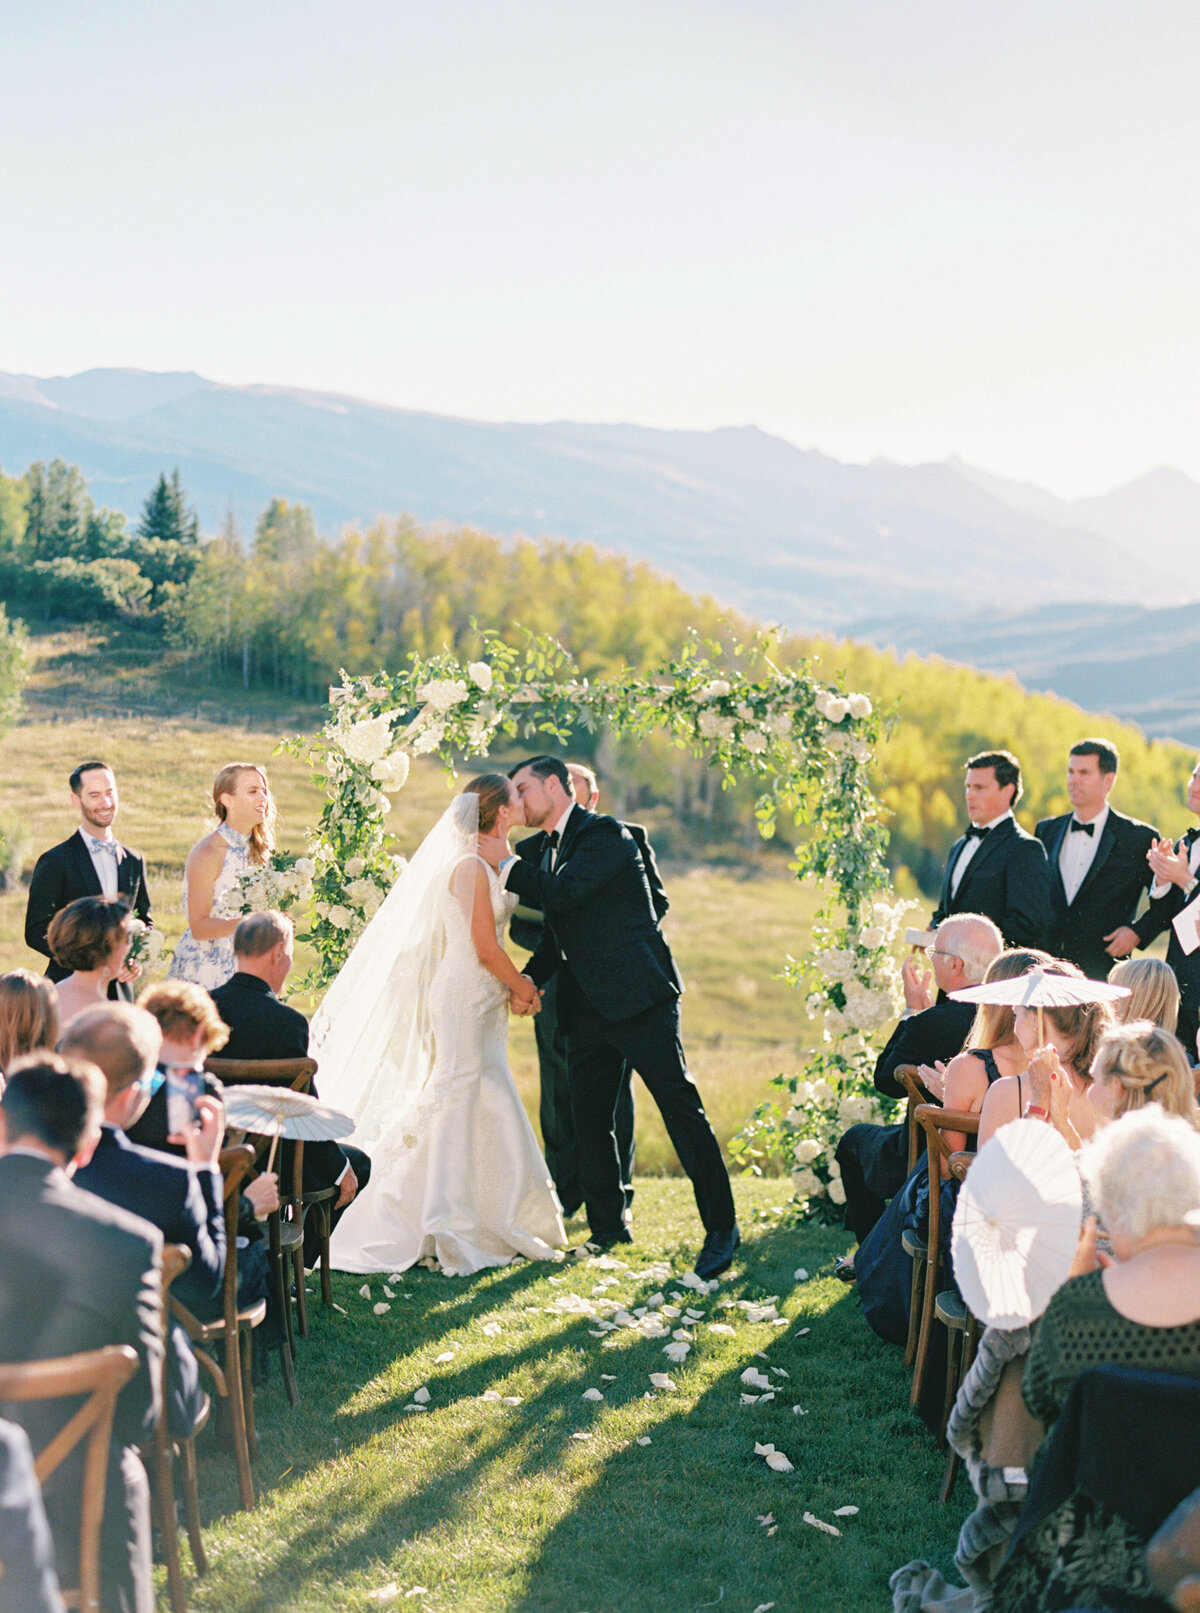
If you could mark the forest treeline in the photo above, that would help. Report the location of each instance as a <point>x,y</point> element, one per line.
<point>287,607</point>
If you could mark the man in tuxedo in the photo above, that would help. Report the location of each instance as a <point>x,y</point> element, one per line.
<point>996,868</point>
<point>77,1274</point>
<point>618,1000</point>
<point>554,1110</point>
<point>91,862</point>
<point>1098,867</point>
<point>1176,870</point>
<point>874,1159</point>
<point>183,1198</point>
<point>262,1027</point>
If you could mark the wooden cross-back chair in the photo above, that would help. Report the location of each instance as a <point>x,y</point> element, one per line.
<point>909,1078</point>
<point>933,1121</point>
<point>100,1375</point>
<point>232,1329</point>
<point>176,1260</point>
<point>295,1203</point>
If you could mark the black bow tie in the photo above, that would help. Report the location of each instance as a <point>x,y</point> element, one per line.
<point>1191,835</point>
<point>552,839</point>
<point>976,833</point>
<point>1081,828</point>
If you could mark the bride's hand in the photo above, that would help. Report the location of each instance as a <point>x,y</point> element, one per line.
<point>525,999</point>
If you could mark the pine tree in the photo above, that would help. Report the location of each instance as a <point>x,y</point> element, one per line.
<point>166,515</point>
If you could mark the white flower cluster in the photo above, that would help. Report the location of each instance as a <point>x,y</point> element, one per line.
<point>443,694</point>
<point>277,884</point>
<point>836,708</point>
<point>367,742</point>
<point>147,945</point>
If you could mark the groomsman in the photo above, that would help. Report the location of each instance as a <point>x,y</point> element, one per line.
<point>90,862</point>
<point>996,868</point>
<point>1098,867</point>
<point>1176,871</point>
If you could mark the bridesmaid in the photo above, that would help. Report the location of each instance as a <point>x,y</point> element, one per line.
<point>242,841</point>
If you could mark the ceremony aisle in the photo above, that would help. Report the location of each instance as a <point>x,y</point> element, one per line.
<point>449,1451</point>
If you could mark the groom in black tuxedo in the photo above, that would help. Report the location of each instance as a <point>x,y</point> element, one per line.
<point>996,868</point>
<point>91,862</point>
<point>618,1000</point>
<point>1098,867</point>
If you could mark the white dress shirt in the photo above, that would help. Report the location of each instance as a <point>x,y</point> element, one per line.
<point>1078,853</point>
<point>969,850</point>
<point>104,862</point>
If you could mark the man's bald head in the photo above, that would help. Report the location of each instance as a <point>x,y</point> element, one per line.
<point>121,1040</point>
<point>974,940</point>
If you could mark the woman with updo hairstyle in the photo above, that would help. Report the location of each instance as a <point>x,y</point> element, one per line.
<point>243,840</point>
<point>91,937</point>
<point>28,1015</point>
<point>1153,992</point>
<point>1139,1064</point>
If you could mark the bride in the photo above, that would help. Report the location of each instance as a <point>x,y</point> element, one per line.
<point>411,1039</point>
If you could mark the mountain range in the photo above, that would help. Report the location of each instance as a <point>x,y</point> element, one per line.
<point>938,557</point>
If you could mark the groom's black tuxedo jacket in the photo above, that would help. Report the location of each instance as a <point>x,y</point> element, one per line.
<point>1007,880</point>
<point>601,920</point>
<point>65,873</point>
<point>1109,895</point>
<point>525,927</point>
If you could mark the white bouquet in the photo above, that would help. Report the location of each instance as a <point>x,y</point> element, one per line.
<point>280,884</point>
<point>147,946</point>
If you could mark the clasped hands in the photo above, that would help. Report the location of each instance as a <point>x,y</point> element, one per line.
<point>524,1000</point>
<point>1052,1087</point>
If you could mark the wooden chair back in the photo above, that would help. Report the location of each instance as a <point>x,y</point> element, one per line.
<point>100,1375</point>
<point>933,1121</point>
<point>918,1093</point>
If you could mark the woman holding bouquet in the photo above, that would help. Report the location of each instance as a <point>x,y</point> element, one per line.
<point>242,842</point>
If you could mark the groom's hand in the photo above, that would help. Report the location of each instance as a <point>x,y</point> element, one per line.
<point>524,1001</point>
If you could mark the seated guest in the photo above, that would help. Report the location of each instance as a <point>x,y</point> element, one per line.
<point>1141,1311</point>
<point>91,938</point>
<point>262,1027</point>
<point>182,1198</point>
<point>77,1274</point>
<point>28,1583</point>
<point>28,1015</point>
<point>874,1159</point>
<point>1137,1064</point>
<point>1072,1037</point>
<point>1153,992</point>
<point>191,1029</point>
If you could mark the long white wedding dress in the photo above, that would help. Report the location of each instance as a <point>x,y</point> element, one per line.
<point>411,1040</point>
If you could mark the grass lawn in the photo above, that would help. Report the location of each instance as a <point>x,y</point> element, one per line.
<point>491,1506</point>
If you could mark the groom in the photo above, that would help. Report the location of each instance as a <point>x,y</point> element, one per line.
<point>618,1000</point>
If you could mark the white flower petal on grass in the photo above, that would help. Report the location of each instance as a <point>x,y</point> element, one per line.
<point>677,1353</point>
<point>643,1439</point>
<point>385,1593</point>
<point>491,1329</point>
<point>411,1407</point>
<point>655,1300</point>
<point>341,1309</point>
<point>581,1436</point>
<point>770,1395</point>
<point>765,1518</point>
<point>596,1332</point>
<point>683,1334</point>
<point>780,1373</point>
<point>446,1355</point>
<point>421,1396</point>
<point>816,1523</point>
<point>799,1411</point>
<point>592,1394</point>
<point>762,1450</point>
<point>800,1275</point>
<point>765,1607</point>
<point>693,1315</point>
<point>845,1512</point>
<point>778,1463</point>
<point>721,1327</point>
<point>365,1290</point>
<point>490,1394</point>
<point>381,1307</point>
<point>512,1400</point>
<point>417,1590</point>
<point>754,1379</point>
<point>608,1377</point>
<point>556,1279</point>
<point>749,1400</point>
<point>802,1331</point>
<point>663,1380</point>
<point>387,1292</point>
<point>782,1321</point>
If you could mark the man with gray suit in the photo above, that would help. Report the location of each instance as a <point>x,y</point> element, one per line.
<point>77,1274</point>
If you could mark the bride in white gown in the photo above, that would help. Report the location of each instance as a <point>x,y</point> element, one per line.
<point>411,1040</point>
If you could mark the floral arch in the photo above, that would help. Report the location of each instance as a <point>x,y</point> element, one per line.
<point>806,743</point>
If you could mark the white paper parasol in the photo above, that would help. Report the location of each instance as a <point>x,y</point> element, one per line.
<point>1040,990</point>
<point>277,1112</point>
<point>1016,1224</point>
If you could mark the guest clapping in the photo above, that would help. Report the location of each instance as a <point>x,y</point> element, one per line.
<point>91,938</point>
<point>243,840</point>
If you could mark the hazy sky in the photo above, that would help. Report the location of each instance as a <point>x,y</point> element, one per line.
<point>893,228</point>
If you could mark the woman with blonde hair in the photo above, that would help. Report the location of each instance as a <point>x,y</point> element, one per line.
<point>242,841</point>
<point>1139,1064</point>
<point>1153,992</point>
<point>28,1015</point>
